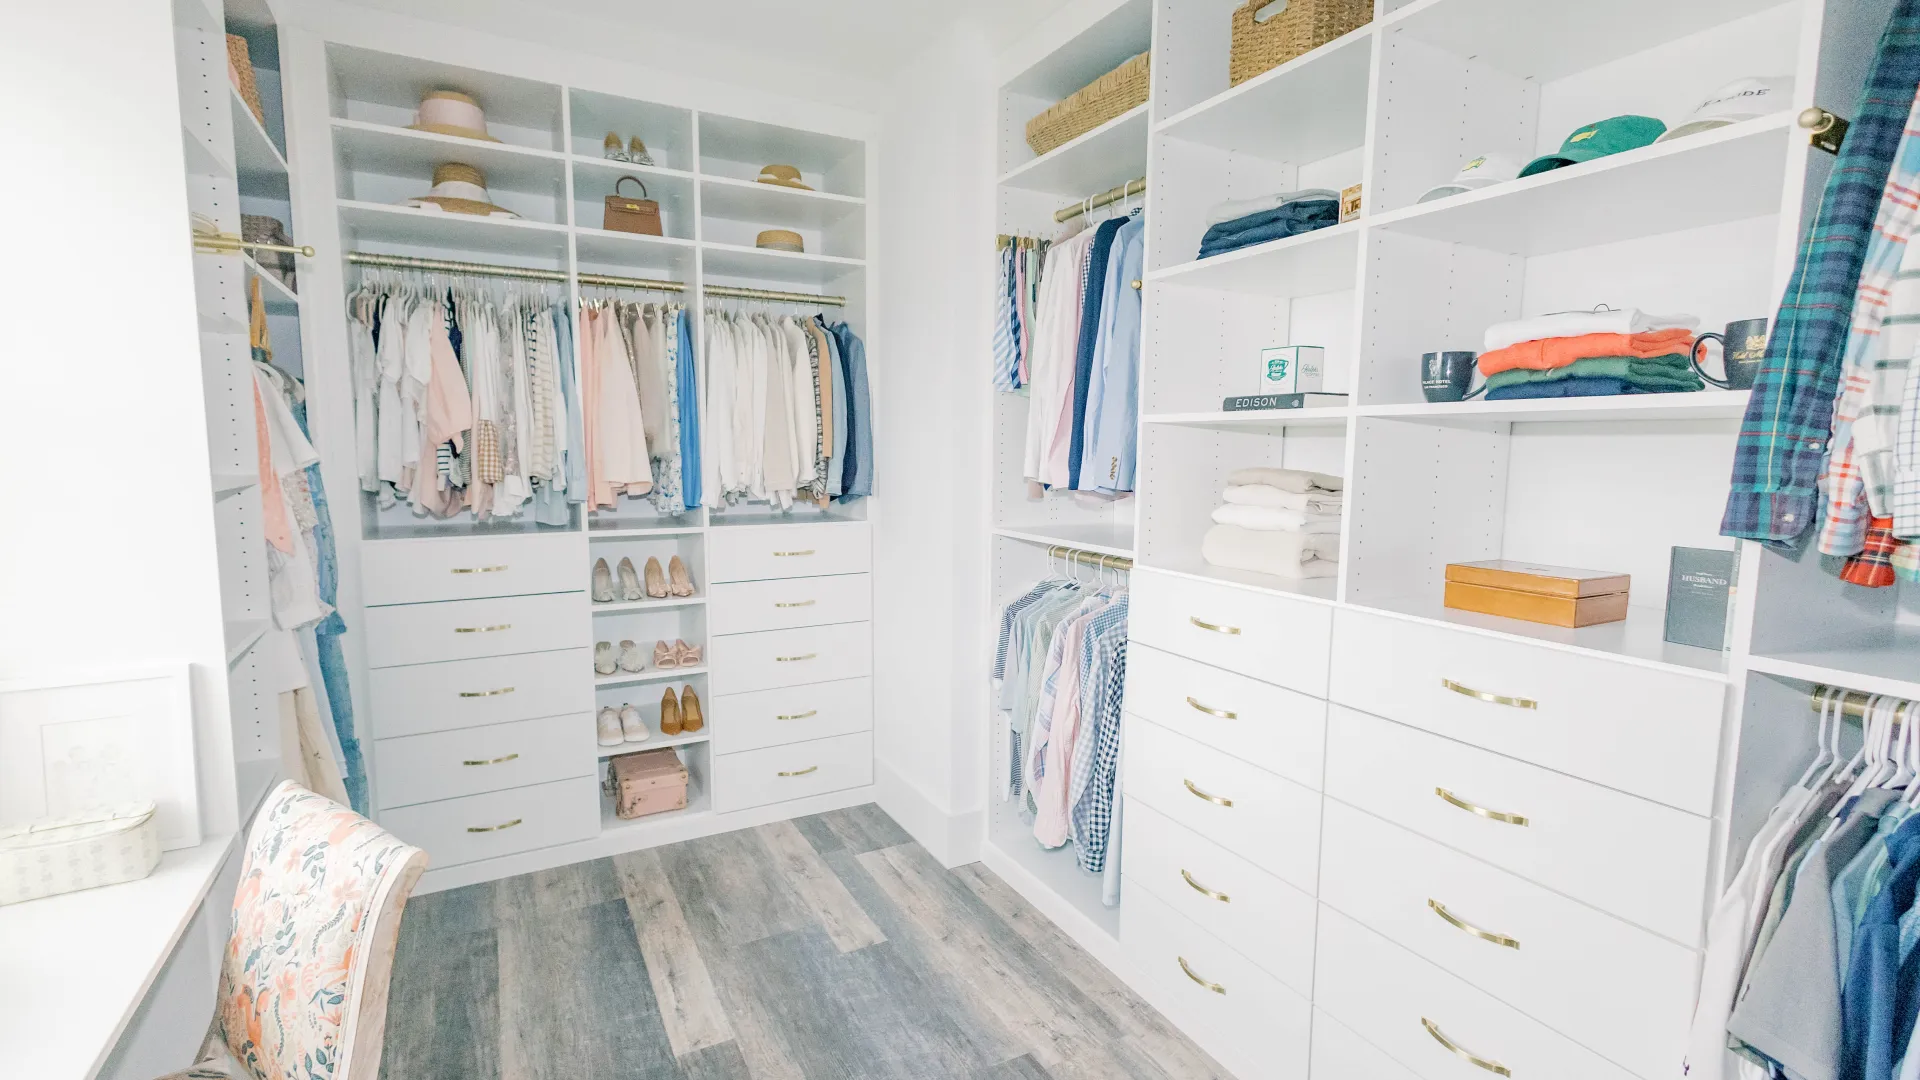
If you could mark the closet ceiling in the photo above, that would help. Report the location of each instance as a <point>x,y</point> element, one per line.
<point>864,41</point>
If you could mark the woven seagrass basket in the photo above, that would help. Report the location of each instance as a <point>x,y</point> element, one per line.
<point>1118,91</point>
<point>1298,28</point>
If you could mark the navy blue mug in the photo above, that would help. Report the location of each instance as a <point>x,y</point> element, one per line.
<point>1448,376</point>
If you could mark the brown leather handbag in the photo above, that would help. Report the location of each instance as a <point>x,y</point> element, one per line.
<point>641,215</point>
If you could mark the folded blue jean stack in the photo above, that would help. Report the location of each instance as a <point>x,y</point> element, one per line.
<point>1246,222</point>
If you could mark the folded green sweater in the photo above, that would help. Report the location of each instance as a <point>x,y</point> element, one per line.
<point>1666,373</point>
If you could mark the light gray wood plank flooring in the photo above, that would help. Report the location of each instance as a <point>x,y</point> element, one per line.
<point>831,947</point>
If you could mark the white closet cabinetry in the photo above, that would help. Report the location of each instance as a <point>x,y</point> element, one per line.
<point>1423,843</point>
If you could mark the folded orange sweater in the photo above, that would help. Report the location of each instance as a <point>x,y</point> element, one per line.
<point>1548,353</point>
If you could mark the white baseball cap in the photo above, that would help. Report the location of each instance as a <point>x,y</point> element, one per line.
<point>1483,171</point>
<point>1741,99</point>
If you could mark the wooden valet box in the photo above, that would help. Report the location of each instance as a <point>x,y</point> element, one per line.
<point>1556,595</point>
<point>648,782</point>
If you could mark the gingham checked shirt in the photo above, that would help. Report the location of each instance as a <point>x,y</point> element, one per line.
<point>1780,453</point>
<point>1096,754</point>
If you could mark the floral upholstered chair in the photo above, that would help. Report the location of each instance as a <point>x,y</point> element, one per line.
<point>303,988</point>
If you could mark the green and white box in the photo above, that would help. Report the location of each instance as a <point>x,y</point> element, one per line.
<point>1292,369</point>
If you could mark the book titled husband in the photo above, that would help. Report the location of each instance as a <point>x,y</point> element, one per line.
<point>1260,402</point>
<point>1699,594</point>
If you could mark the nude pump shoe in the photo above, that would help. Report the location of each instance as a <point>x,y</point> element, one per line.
<point>669,713</point>
<point>656,579</point>
<point>690,718</point>
<point>682,582</point>
<point>629,581</point>
<point>603,581</point>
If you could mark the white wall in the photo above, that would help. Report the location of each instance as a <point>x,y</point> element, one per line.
<point>930,555</point>
<point>107,553</point>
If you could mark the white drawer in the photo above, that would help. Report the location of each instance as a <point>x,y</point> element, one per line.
<point>422,571</point>
<point>464,629</point>
<point>1253,1020</point>
<point>790,714</point>
<point>1616,989</point>
<point>497,823</point>
<point>781,773</point>
<point>1653,733</point>
<point>420,698</point>
<point>1642,861</point>
<point>739,607</point>
<point>809,654</point>
<point>1267,920</point>
<point>1267,819</point>
<point>1279,730</point>
<point>1389,997</point>
<point>1271,638</point>
<point>1340,1054</point>
<point>449,764</point>
<point>754,552</point>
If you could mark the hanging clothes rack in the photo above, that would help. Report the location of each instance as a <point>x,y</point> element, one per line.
<point>1105,198</point>
<point>1089,558</point>
<point>610,281</point>
<point>1854,702</point>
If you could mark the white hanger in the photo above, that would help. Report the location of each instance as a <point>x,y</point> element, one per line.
<point>1820,759</point>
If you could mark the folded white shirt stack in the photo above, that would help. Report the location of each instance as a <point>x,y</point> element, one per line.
<point>1576,323</point>
<point>1284,522</point>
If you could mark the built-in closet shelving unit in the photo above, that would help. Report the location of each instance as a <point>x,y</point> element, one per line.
<point>1335,707</point>
<point>784,679</point>
<point>236,164</point>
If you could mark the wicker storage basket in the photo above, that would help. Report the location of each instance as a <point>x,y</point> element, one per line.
<point>1301,27</point>
<point>1118,91</point>
<point>240,73</point>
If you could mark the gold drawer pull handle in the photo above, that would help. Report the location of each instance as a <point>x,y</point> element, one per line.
<point>493,761</point>
<point>1490,815</point>
<point>1215,799</point>
<point>796,716</point>
<point>477,569</point>
<point>1440,1037</point>
<point>791,554</point>
<point>1495,699</point>
<point>487,693</point>
<point>794,603</point>
<point>1213,986</point>
<point>482,629</point>
<point>1440,909</point>
<point>792,659</point>
<point>1221,713</point>
<point>1215,627</point>
<point>802,772</point>
<point>1204,891</point>
<point>495,828</point>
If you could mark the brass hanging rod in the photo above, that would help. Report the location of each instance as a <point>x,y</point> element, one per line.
<point>1089,558</point>
<point>1854,702</point>
<point>608,281</point>
<point>216,242</point>
<point>1105,198</point>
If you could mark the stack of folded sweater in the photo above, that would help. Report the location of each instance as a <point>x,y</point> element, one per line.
<point>1590,354</point>
<point>1284,522</point>
<point>1245,222</point>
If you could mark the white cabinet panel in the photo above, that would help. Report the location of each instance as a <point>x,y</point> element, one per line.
<point>1340,1054</point>
<point>468,761</point>
<point>753,553</point>
<point>794,771</point>
<point>497,823</point>
<point>421,571</point>
<point>419,698</point>
<point>810,654</point>
<point>464,629</point>
<point>740,607</point>
<point>790,714</point>
<point>1271,638</point>
<point>1280,730</point>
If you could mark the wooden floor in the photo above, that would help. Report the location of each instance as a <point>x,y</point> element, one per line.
<point>823,948</point>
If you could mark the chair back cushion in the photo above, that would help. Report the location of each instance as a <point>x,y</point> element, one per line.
<point>303,988</point>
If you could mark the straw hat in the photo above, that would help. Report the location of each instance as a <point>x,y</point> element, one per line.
<point>460,189</point>
<point>450,112</point>
<point>779,240</point>
<point>783,175</point>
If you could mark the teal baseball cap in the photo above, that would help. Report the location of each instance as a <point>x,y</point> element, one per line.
<point>1609,136</point>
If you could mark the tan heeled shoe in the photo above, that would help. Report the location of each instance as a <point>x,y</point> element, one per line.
<point>682,582</point>
<point>602,582</point>
<point>670,723</point>
<point>685,655</point>
<point>656,579</point>
<point>629,582</point>
<point>665,655</point>
<point>690,718</point>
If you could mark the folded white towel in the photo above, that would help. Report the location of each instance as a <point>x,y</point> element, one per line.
<point>1282,554</point>
<point>1295,480</point>
<point>1575,323</point>
<point>1273,519</point>
<point>1239,208</point>
<point>1320,502</point>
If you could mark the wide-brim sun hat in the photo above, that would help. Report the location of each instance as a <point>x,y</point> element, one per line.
<point>460,189</point>
<point>783,175</point>
<point>450,112</point>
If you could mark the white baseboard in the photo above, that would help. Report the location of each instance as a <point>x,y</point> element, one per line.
<point>952,839</point>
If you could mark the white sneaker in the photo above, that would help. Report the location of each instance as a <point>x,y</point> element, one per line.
<point>609,725</point>
<point>632,725</point>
